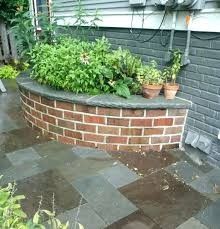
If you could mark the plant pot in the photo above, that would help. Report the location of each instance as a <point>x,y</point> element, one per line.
<point>151,91</point>
<point>170,90</point>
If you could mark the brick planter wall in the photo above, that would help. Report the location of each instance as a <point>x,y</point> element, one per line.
<point>106,128</point>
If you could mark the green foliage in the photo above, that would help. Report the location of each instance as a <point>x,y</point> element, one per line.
<point>23,31</point>
<point>150,74</point>
<point>170,73</point>
<point>85,67</point>
<point>84,21</point>
<point>13,217</point>
<point>8,72</point>
<point>8,8</point>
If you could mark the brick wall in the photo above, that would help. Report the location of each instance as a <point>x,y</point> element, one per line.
<point>200,80</point>
<point>106,128</point>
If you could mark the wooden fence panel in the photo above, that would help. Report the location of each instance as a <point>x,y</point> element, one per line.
<point>8,48</point>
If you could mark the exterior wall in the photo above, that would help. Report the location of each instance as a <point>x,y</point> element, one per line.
<point>105,128</point>
<point>118,13</point>
<point>200,80</point>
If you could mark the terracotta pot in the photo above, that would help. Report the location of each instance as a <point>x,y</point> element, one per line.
<point>170,90</point>
<point>151,91</point>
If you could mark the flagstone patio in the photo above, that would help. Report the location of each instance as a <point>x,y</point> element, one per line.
<point>109,190</point>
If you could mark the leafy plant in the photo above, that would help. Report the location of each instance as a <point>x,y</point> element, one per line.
<point>8,9</point>
<point>13,217</point>
<point>170,73</point>
<point>84,21</point>
<point>150,74</point>
<point>8,72</point>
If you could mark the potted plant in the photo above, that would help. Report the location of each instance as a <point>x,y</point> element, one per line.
<point>150,77</point>
<point>170,74</point>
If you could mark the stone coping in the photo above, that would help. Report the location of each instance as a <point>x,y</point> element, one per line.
<point>104,100</point>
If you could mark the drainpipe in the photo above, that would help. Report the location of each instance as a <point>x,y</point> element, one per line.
<point>168,54</point>
<point>185,58</point>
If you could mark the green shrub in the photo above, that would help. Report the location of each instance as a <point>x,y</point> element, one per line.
<point>8,72</point>
<point>85,67</point>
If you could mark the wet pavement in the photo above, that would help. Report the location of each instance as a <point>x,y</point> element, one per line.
<point>106,190</point>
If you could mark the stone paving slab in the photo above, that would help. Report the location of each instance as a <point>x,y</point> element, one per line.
<point>19,139</point>
<point>192,223</point>
<point>20,172</point>
<point>210,216</point>
<point>109,204</point>
<point>209,184</point>
<point>164,199</point>
<point>82,168</point>
<point>86,217</point>
<point>184,171</point>
<point>23,156</point>
<point>52,187</point>
<point>86,152</point>
<point>136,220</point>
<point>7,124</point>
<point>119,175</point>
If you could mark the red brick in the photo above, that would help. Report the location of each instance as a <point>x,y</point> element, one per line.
<point>129,148</point>
<point>108,130</point>
<point>85,109</point>
<point>162,139</point>
<point>73,116</point>
<point>49,119</point>
<point>163,122</point>
<point>50,135</point>
<point>131,131</point>
<point>54,112</point>
<point>86,127</point>
<point>23,98</point>
<point>170,146</point>
<point>179,121</point>
<point>141,122</point>
<point>40,107</point>
<point>73,134</point>
<point>138,140</point>
<point>93,138</point>
<point>38,129</point>
<point>116,139</point>
<point>176,138</point>
<point>26,108</point>
<point>36,114</point>
<point>64,105</point>
<point>155,148</point>
<point>107,147</point>
<point>86,144</point>
<point>35,97</point>
<point>177,112</point>
<point>66,140</point>
<point>31,118</point>
<point>155,113</point>
<point>153,131</point>
<point>41,124</point>
<point>94,119</point>
<point>132,113</point>
<point>118,122</point>
<point>173,130</point>
<point>56,129</point>
<point>30,103</point>
<point>108,111</point>
<point>66,124</point>
<point>47,102</point>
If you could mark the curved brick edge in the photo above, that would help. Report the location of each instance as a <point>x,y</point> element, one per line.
<point>111,129</point>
